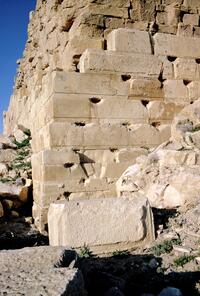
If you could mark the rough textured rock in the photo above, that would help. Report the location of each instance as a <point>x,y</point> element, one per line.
<point>170,175</point>
<point>39,271</point>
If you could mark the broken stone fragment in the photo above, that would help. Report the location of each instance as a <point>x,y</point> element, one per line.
<point>19,135</point>
<point>3,169</point>
<point>13,191</point>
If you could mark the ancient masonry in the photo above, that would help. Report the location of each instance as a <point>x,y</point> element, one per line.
<point>99,85</point>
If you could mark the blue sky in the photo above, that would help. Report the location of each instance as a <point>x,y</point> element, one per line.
<point>14,17</point>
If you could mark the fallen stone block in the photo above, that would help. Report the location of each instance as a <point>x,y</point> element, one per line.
<point>172,45</point>
<point>128,40</point>
<point>104,224</point>
<point>113,62</point>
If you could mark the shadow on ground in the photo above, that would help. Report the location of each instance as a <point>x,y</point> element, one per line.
<point>133,276</point>
<point>15,233</point>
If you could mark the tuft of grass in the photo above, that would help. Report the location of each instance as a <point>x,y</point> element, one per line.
<point>165,247</point>
<point>27,132</point>
<point>195,129</point>
<point>121,254</point>
<point>85,252</point>
<point>22,144</point>
<point>182,260</point>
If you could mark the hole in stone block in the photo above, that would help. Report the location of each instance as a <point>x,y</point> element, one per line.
<point>126,123</point>
<point>68,24</point>
<point>105,45</point>
<point>171,59</point>
<point>155,124</point>
<point>79,123</point>
<point>125,77</point>
<point>68,165</point>
<point>197,61</point>
<point>113,149</point>
<point>161,79</point>
<point>144,102</point>
<point>186,82</point>
<point>82,181</point>
<point>95,100</point>
<point>191,102</point>
<point>66,194</point>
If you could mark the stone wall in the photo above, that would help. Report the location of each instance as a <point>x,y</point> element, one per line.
<point>95,98</point>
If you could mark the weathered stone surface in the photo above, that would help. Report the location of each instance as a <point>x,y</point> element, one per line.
<point>146,88</point>
<point>39,271</point>
<point>170,175</point>
<point>186,69</point>
<point>170,45</point>
<point>134,41</point>
<point>102,224</point>
<point>113,62</point>
<point>176,92</point>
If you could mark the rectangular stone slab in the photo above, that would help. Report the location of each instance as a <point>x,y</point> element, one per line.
<point>104,224</point>
<point>176,46</point>
<point>111,62</point>
<point>128,40</point>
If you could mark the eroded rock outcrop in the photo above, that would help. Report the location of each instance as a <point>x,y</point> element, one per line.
<point>170,175</point>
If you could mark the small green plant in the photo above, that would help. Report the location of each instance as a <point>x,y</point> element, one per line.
<point>25,165</point>
<point>22,144</point>
<point>85,252</point>
<point>23,153</point>
<point>182,260</point>
<point>165,247</point>
<point>119,253</point>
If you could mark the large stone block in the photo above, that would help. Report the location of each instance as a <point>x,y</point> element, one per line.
<point>102,224</point>
<point>146,88</point>
<point>175,91</point>
<point>128,40</point>
<point>172,45</point>
<point>139,65</point>
<point>99,107</point>
<point>186,69</point>
<point>91,84</point>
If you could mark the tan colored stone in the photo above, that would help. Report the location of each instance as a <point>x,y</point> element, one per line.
<point>162,111</point>
<point>194,90</point>
<point>146,88</point>
<point>191,19</point>
<point>175,91</point>
<point>186,69</point>
<point>125,40</point>
<point>115,62</point>
<point>3,169</point>
<point>171,45</point>
<point>125,228</point>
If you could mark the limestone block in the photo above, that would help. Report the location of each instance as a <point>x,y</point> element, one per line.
<point>171,45</point>
<point>168,71</point>
<point>191,19</point>
<point>127,40</point>
<point>185,30</point>
<point>186,69</point>
<point>40,217</point>
<point>101,224</point>
<point>191,3</point>
<point>94,84</point>
<point>130,154</point>
<point>194,90</point>
<point>175,91</point>
<point>162,111</point>
<point>3,169</point>
<point>146,88</point>
<point>108,10</point>
<point>59,156</point>
<point>106,62</point>
<point>65,106</point>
